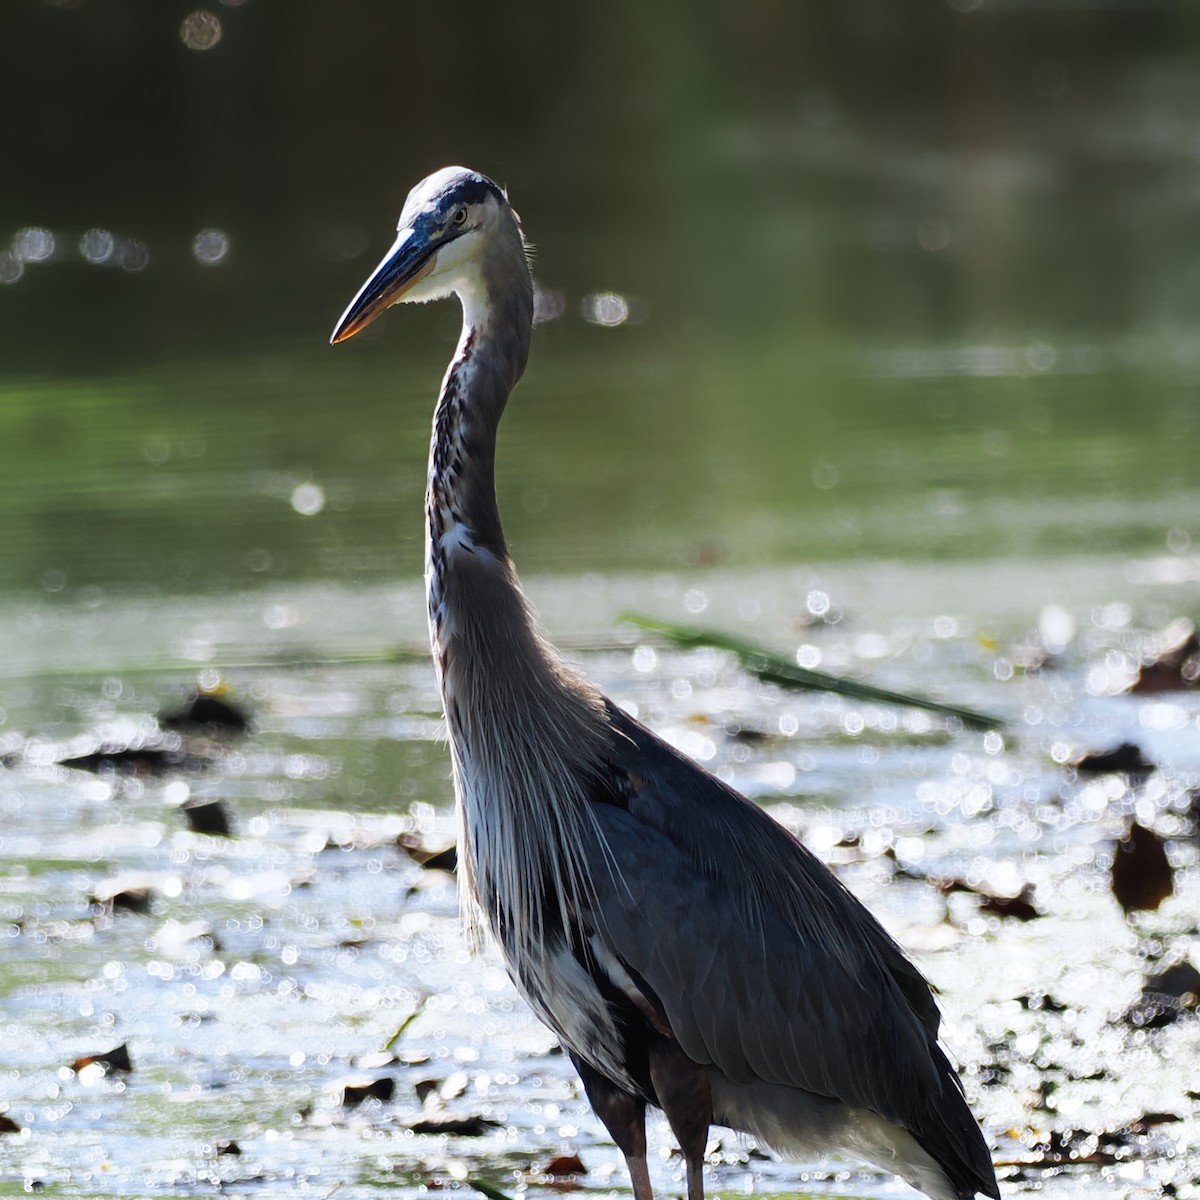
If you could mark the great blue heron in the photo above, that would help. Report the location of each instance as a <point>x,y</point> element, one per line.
<point>686,949</point>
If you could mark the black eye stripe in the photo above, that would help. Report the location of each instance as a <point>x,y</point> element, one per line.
<point>467,192</point>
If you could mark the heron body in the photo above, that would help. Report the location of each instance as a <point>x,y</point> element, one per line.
<point>687,950</point>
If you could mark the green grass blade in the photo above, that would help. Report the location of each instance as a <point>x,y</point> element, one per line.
<point>490,1192</point>
<point>404,1025</point>
<point>774,668</point>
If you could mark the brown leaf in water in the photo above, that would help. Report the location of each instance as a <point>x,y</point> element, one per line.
<point>358,1088</point>
<point>432,860</point>
<point>1151,1120</point>
<point>116,1059</point>
<point>565,1164</point>
<point>472,1126</point>
<point>112,895</point>
<point>1142,877</point>
<point>207,816</point>
<point>1125,758</point>
<point>1181,981</point>
<point>1166,997</point>
<point>1019,907</point>
<point>207,713</point>
<point>1176,666</point>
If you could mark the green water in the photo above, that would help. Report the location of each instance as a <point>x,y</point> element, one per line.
<point>915,288</point>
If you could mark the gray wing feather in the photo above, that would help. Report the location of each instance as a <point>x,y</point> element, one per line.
<point>765,965</point>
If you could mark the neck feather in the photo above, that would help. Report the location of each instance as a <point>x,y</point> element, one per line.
<point>526,733</point>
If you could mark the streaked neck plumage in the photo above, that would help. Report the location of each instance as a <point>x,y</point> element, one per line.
<point>525,731</point>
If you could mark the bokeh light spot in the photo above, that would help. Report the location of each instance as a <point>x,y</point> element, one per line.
<point>33,244</point>
<point>210,246</point>
<point>605,308</point>
<point>548,305</point>
<point>133,256</point>
<point>97,246</point>
<point>826,475</point>
<point>201,30</point>
<point>308,499</point>
<point>11,267</point>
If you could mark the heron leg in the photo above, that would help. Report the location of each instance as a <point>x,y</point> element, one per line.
<point>624,1116</point>
<point>686,1099</point>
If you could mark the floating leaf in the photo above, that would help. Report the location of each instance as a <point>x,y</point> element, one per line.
<point>1177,666</point>
<point>207,816</point>
<point>1142,877</point>
<point>206,712</point>
<point>116,1059</point>
<point>1124,758</point>
<point>360,1088</point>
<point>565,1164</point>
<point>444,1123</point>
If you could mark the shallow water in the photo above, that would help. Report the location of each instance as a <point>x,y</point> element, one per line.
<point>869,338</point>
<point>273,962</point>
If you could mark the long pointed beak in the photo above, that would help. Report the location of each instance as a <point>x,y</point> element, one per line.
<point>405,264</point>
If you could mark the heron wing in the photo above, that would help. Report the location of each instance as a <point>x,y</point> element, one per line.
<point>765,965</point>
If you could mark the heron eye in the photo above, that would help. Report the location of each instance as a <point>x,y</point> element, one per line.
<point>460,217</point>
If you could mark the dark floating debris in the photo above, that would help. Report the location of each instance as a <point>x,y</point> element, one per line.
<point>1043,1002</point>
<point>1085,1147</point>
<point>565,1164</point>
<point>1167,996</point>
<point>1177,665</point>
<point>227,1146</point>
<point>116,1059</point>
<point>1019,907</point>
<point>150,758</point>
<point>207,712</point>
<point>746,734</point>
<point>359,1088</point>
<point>207,816</point>
<point>1080,1147</point>
<point>8,1125</point>
<point>1142,877</point>
<point>1151,1120</point>
<point>431,860</point>
<point>123,892</point>
<point>1125,758</point>
<point>444,1123</point>
<point>435,1119</point>
<point>1182,981</point>
<point>433,1091</point>
<point>776,669</point>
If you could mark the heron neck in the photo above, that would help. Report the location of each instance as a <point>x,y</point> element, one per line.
<point>463,527</point>
<point>490,358</point>
<point>525,731</point>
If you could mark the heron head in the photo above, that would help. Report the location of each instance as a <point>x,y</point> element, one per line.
<point>447,224</point>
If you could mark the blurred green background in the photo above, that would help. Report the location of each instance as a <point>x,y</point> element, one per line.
<point>884,280</point>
